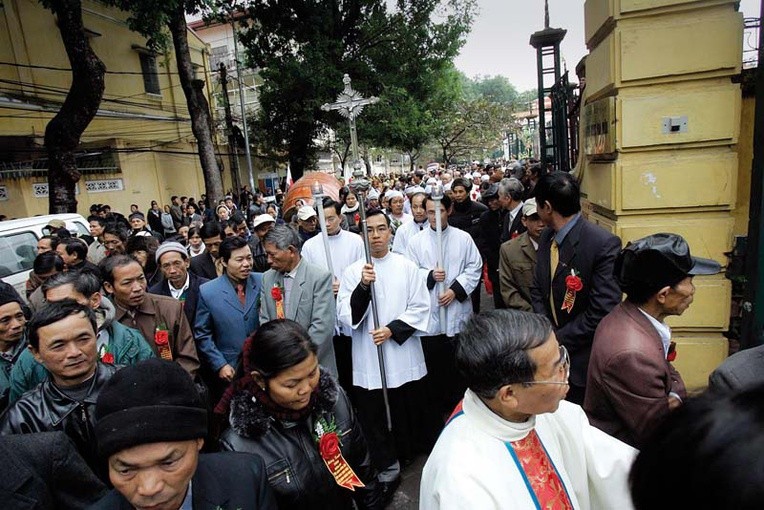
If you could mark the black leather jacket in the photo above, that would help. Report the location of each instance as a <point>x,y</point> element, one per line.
<point>466,216</point>
<point>294,467</point>
<point>47,409</point>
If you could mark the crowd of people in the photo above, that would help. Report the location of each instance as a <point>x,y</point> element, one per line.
<point>227,355</point>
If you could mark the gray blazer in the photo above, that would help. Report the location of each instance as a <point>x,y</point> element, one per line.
<point>311,304</point>
<point>740,371</point>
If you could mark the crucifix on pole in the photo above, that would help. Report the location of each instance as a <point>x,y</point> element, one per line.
<point>350,104</point>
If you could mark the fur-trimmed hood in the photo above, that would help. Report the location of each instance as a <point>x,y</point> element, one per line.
<point>250,419</point>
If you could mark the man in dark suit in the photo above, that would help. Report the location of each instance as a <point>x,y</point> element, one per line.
<point>178,283</point>
<point>206,265</point>
<point>632,385</point>
<point>43,472</point>
<point>511,200</point>
<point>150,425</point>
<point>581,289</point>
<point>742,370</point>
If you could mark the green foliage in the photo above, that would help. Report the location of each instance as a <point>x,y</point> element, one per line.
<point>303,48</point>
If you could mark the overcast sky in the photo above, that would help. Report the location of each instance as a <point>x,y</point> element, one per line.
<point>498,43</point>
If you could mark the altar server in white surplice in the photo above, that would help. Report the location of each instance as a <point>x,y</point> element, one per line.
<point>345,248</point>
<point>403,307</point>
<point>460,276</point>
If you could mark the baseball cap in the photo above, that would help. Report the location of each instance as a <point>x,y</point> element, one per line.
<point>305,212</point>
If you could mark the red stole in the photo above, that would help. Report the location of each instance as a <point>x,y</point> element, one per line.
<point>540,474</point>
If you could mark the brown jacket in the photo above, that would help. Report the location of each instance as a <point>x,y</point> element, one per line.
<point>517,261</point>
<point>167,313</point>
<point>629,377</point>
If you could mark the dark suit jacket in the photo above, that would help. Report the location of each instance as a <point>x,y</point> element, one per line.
<point>591,252</point>
<point>44,471</point>
<point>223,481</point>
<point>192,295</point>
<point>511,230</point>
<point>203,265</point>
<point>629,377</point>
<point>742,370</point>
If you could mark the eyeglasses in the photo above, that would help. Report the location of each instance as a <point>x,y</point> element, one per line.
<point>563,368</point>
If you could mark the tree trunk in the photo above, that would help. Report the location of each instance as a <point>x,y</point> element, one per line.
<point>63,132</point>
<point>198,108</point>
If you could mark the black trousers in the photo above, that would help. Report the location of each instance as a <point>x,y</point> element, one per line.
<point>343,354</point>
<point>416,425</point>
<point>475,296</point>
<point>445,386</point>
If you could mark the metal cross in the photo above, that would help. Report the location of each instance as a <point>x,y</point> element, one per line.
<point>350,104</point>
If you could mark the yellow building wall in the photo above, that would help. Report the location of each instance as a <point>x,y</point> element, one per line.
<point>658,62</point>
<point>157,150</point>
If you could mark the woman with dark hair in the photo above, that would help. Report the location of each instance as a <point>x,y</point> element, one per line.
<point>350,210</point>
<point>195,245</point>
<point>282,407</point>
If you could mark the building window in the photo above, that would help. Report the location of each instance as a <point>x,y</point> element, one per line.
<point>219,54</point>
<point>150,73</point>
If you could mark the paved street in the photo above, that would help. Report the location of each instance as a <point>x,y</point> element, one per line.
<point>407,495</point>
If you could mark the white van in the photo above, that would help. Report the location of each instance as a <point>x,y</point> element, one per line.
<point>18,244</point>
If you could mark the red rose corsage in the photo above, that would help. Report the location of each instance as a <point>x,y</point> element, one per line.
<point>108,358</point>
<point>161,337</point>
<point>574,283</point>
<point>329,445</point>
<point>329,448</point>
<point>276,293</point>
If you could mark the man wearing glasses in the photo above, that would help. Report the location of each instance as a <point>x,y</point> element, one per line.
<point>513,442</point>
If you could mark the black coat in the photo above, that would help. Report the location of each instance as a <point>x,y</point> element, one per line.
<point>590,251</point>
<point>45,472</point>
<point>295,469</point>
<point>222,481</point>
<point>192,294</point>
<point>491,223</point>
<point>466,216</point>
<point>203,265</point>
<point>514,229</point>
<point>48,409</point>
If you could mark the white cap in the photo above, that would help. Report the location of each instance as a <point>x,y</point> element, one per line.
<point>393,193</point>
<point>468,175</point>
<point>261,219</point>
<point>373,194</point>
<point>305,212</point>
<point>485,178</point>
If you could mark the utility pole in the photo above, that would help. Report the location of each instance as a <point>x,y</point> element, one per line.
<point>250,173</point>
<point>232,145</point>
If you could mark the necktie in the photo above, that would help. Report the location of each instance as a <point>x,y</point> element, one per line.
<point>554,260</point>
<point>240,293</point>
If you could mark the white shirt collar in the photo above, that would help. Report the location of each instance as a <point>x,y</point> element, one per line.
<point>534,243</point>
<point>176,293</point>
<point>663,331</point>
<point>293,272</point>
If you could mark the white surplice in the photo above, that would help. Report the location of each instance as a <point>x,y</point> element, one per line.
<point>345,247</point>
<point>404,234</point>
<point>471,465</point>
<point>401,294</point>
<point>462,262</point>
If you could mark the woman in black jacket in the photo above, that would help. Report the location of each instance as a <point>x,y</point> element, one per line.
<point>283,408</point>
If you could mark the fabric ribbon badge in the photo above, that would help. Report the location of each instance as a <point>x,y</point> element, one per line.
<point>329,448</point>
<point>278,297</point>
<point>573,284</point>
<point>162,341</point>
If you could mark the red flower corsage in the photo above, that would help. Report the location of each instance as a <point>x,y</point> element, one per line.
<point>671,354</point>
<point>329,445</point>
<point>276,293</point>
<point>161,337</point>
<point>108,358</point>
<point>573,283</point>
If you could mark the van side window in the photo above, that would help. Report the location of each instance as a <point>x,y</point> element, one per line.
<point>17,253</point>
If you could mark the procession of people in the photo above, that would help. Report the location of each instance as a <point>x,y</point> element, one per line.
<point>239,355</point>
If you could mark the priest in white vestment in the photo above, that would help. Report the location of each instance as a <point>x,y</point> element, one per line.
<point>403,309</point>
<point>514,443</point>
<point>345,248</point>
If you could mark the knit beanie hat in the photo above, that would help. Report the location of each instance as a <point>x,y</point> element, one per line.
<point>9,295</point>
<point>150,402</point>
<point>169,246</point>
